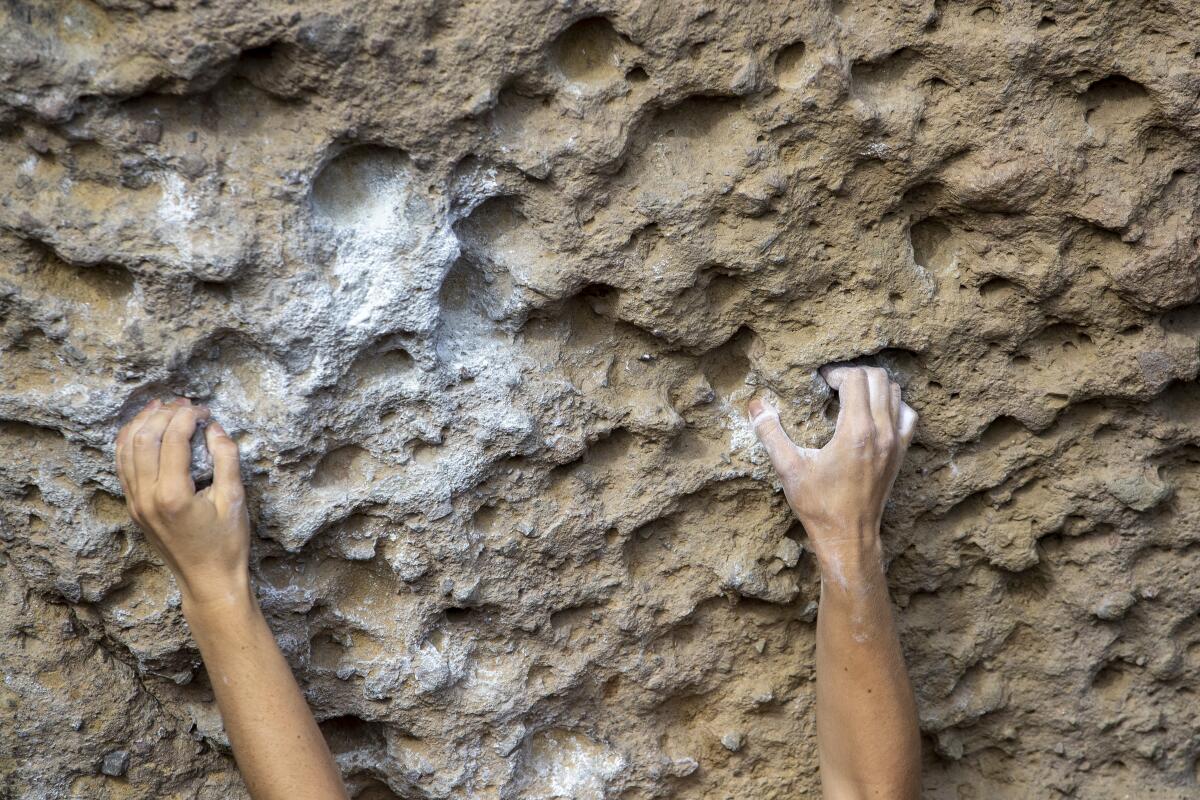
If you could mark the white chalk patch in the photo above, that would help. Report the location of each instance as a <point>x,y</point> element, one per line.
<point>176,207</point>
<point>565,764</point>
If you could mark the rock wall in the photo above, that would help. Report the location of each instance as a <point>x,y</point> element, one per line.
<point>482,289</point>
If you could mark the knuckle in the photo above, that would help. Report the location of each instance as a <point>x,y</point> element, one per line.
<point>139,512</point>
<point>864,428</point>
<point>170,502</point>
<point>861,438</point>
<point>143,439</point>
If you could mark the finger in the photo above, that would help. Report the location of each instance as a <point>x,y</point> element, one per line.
<point>227,472</point>
<point>780,449</point>
<point>147,441</point>
<point>125,470</point>
<point>854,413</point>
<point>879,387</point>
<point>175,459</point>
<point>895,405</point>
<point>908,424</point>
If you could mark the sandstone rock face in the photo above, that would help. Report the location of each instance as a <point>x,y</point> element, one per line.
<point>482,289</point>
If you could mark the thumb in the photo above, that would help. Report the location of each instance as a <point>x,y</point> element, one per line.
<point>784,455</point>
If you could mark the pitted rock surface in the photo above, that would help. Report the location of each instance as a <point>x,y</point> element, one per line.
<point>482,289</point>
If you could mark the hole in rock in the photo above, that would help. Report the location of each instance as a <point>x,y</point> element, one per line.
<point>613,449</point>
<point>1112,680</point>
<point>273,68</point>
<point>390,362</point>
<point>233,371</point>
<point>589,52</point>
<point>503,244</point>
<point>885,78</point>
<point>1003,430</point>
<point>375,790</point>
<point>997,289</point>
<point>101,290</point>
<point>1185,321</point>
<point>424,452</point>
<point>984,14</point>
<point>361,188</point>
<point>1115,100</point>
<point>789,66</point>
<point>932,244</point>
<point>108,510</point>
<point>637,75</point>
<point>600,298</point>
<point>468,292</point>
<point>341,467</point>
<point>456,615</point>
<point>326,652</point>
<point>727,366</point>
<point>349,733</point>
<point>262,53</point>
<point>486,518</point>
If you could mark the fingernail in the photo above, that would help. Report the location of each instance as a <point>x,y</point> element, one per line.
<point>154,404</point>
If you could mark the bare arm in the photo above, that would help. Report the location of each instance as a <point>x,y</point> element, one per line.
<point>867,736</point>
<point>205,539</point>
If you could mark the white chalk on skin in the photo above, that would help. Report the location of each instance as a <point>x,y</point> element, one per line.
<point>767,412</point>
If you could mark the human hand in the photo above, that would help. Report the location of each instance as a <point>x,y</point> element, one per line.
<point>203,536</point>
<point>838,491</point>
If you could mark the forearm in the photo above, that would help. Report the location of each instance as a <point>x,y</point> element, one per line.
<point>277,744</point>
<point>867,734</point>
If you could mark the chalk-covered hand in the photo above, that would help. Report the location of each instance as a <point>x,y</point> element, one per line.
<point>203,536</point>
<point>838,491</point>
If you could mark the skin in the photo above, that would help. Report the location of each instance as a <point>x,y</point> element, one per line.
<point>867,736</point>
<point>868,741</point>
<point>204,537</point>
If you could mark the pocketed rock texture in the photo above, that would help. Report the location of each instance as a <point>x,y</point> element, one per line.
<point>483,288</point>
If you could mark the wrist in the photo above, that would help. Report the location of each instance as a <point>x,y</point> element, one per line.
<point>850,557</point>
<point>208,599</point>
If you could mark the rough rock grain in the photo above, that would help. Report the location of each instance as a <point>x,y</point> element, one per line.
<point>482,289</point>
